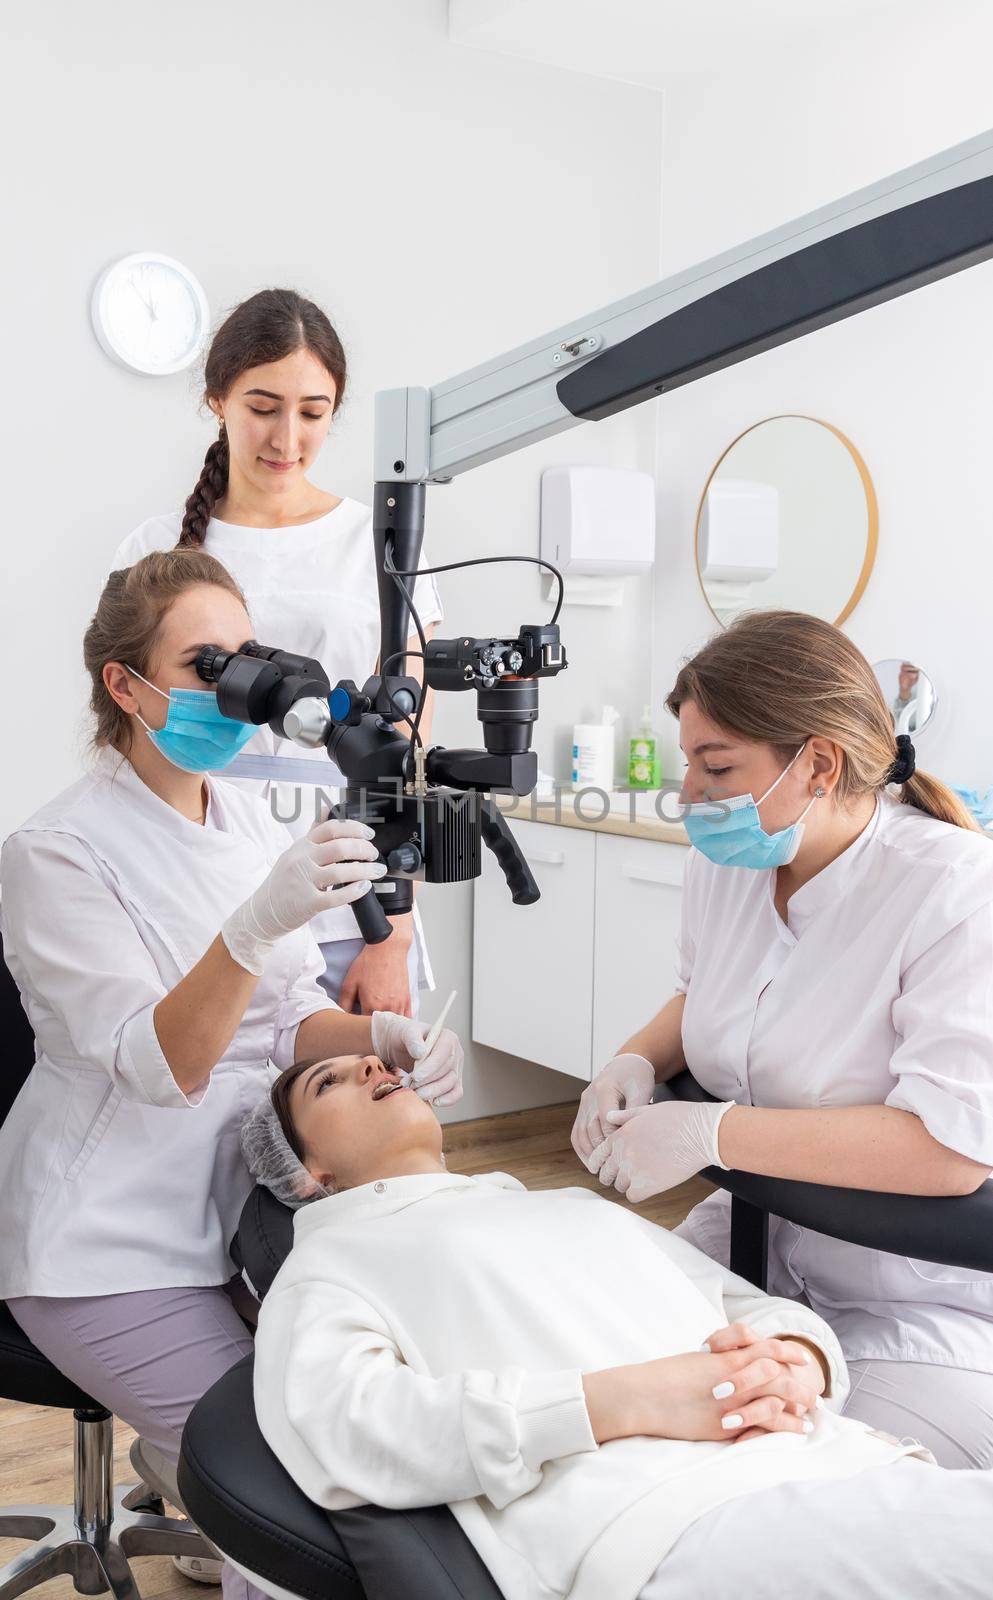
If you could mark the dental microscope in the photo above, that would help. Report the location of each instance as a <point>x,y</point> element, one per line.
<point>431,809</point>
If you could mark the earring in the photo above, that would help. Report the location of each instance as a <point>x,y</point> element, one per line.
<point>818,793</point>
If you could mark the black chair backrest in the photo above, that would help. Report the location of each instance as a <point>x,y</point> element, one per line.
<point>16,1040</point>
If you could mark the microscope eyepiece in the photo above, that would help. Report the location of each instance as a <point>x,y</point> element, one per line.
<point>210,663</point>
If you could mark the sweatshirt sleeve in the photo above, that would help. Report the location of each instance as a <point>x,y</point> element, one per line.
<point>352,1423</point>
<point>736,1300</point>
<point>87,981</point>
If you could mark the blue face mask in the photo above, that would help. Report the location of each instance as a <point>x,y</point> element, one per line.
<point>197,736</point>
<point>730,832</point>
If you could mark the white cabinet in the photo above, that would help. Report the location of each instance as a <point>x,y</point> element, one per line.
<point>532,968</point>
<point>638,898</point>
<point>565,981</point>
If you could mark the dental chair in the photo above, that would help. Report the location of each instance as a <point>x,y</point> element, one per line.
<point>952,1230</point>
<point>251,1509</point>
<point>92,1538</point>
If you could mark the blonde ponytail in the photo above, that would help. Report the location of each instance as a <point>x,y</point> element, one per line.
<point>935,799</point>
<point>778,677</point>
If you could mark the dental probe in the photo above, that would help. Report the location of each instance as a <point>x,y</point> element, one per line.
<point>431,1038</point>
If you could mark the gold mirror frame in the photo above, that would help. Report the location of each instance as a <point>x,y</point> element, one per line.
<point>871,504</point>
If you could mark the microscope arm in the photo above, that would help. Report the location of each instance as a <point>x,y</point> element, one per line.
<point>908,230</point>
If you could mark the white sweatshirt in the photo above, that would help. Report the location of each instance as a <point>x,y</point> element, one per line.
<point>425,1340</point>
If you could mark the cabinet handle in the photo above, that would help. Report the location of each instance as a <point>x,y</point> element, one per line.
<point>547,858</point>
<point>671,878</point>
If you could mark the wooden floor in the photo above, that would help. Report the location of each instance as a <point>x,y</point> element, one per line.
<point>36,1443</point>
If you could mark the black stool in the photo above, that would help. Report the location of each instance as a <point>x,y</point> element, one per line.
<point>250,1508</point>
<point>92,1538</point>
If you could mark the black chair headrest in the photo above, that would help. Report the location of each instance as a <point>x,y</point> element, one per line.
<point>264,1239</point>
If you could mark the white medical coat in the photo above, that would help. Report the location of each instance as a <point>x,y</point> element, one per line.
<point>311,589</point>
<point>878,991</point>
<point>112,1178</point>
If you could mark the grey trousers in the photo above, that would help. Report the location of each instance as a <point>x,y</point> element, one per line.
<point>907,1531</point>
<point>948,1408</point>
<point>147,1356</point>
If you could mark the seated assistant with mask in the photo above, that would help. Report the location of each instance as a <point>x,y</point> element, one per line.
<point>606,1410</point>
<point>155,922</point>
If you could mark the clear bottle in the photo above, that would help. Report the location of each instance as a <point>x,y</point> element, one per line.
<point>644,767</point>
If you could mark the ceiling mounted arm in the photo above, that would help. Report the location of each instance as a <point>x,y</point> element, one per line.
<point>908,230</point>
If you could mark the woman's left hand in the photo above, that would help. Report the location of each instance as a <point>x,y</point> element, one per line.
<point>658,1146</point>
<point>399,1042</point>
<point>379,978</point>
<point>806,1381</point>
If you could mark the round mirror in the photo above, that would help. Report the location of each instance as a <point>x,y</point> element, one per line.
<point>788,520</point>
<point>909,693</point>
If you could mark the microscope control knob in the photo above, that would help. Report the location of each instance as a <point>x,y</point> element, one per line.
<point>307,722</point>
<point>348,703</point>
<point>405,858</point>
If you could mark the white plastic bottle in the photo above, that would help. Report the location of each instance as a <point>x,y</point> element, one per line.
<point>593,753</point>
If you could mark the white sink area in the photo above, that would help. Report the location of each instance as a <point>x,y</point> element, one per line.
<point>647,803</point>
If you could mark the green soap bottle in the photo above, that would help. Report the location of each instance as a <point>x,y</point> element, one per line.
<point>644,767</point>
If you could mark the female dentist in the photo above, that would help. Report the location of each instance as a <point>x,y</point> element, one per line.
<point>275,377</point>
<point>155,922</point>
<point>835,991</point>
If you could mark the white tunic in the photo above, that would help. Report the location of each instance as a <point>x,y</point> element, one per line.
<point>310,589</point>
<point>879,991</point>
<point>425,1342</point>
<point>112,1178</point>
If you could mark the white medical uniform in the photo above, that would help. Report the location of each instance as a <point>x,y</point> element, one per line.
<point>877,990</point>
<point>310,589</point>
<point>112,1178</point>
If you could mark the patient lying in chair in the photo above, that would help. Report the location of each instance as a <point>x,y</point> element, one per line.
<point>608,1413</point>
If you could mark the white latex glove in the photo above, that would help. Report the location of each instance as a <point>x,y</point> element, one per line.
<point>331,866</point>
<point>399,1042</point>
<point>656,1147</point>
<point>627,1081</point>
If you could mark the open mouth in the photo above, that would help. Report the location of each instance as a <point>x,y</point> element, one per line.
<point>386,1087</point>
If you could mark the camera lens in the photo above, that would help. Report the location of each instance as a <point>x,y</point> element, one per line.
<point>507,712</point>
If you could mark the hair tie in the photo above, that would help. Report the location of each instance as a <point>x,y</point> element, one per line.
<point>905,764</point>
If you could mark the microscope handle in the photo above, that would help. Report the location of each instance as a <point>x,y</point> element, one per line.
<point>523,889</point>
<point>374,924</point>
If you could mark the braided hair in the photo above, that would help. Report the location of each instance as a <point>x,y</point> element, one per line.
<point>264,328</point>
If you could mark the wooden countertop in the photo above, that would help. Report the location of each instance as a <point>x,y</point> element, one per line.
<point>563,813</point>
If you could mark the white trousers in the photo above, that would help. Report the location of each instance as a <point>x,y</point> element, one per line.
<point>907,1531</point>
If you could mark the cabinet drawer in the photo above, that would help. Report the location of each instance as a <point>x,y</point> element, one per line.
<point>532,966</point>
<point>638,906</point>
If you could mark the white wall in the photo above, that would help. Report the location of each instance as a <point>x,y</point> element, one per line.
<point>911,383</point>
<point>442,203</point>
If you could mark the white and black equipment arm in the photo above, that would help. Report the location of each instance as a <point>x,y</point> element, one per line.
<point>911,229</point>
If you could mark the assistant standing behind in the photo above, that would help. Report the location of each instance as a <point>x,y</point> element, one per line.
<point>275,377</point>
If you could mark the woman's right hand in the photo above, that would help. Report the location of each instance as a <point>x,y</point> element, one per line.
<point>625,1082</point>
<point>703,1396</point>
<point>331,866</point>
